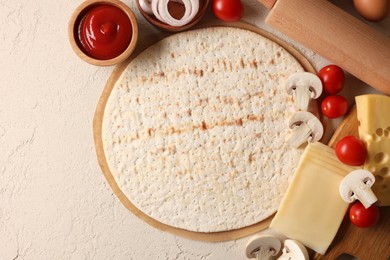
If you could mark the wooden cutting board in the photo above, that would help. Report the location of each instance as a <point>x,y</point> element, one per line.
<point>363,243</point>
<point>370,244</point>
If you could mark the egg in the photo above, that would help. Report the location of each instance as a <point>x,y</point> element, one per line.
<point>373,10</point>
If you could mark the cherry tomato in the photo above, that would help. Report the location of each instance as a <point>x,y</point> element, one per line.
<point>334,106</point>
<point>228,10</point>
<point>333,78</point>
<point>351,150</point>
<point>362,217</point>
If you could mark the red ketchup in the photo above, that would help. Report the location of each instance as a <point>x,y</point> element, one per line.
<point>104,32</point>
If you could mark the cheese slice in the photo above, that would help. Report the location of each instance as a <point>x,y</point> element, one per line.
<point>373,112</point>
<point>312,209</point>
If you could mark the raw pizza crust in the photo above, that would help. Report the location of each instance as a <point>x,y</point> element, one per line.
<point>194,129</point>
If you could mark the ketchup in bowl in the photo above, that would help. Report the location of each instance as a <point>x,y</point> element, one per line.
<point>104,31</point>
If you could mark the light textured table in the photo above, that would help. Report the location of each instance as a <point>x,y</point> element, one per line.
<point>54,201</point>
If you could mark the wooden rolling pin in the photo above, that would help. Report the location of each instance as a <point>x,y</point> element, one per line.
<point>335,35</point>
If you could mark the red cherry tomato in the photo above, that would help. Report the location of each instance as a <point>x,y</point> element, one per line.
<point>362,217</point>
<point>228,10</point>
<point>332,78</point>
<point>351,150</point>
<point>334,106</point>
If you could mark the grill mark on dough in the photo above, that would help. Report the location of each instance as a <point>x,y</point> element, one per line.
<point>242,64</point>
<point>165,151</point>
<point>253,64</point>
<point>179,72</point>
<point>251,158</point>
<point>219,65</point>
<point>233,100</point>
<point>203,126</point>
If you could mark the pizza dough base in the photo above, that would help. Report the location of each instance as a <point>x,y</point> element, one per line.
<point>194,129</point>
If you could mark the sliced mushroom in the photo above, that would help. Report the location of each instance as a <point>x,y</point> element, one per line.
<point>263,246</point>
<point>293,250</point>
<point>357,186</point>
<point>305,128</point>
<point>303,86</point>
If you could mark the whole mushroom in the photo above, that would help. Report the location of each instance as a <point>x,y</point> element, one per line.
<point>357,186</point>
<point>304,86</point>
<point>305,128</point>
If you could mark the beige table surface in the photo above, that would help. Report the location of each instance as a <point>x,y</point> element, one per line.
<point>54,200</point>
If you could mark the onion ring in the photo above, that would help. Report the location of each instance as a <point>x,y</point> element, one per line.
<point>164,12</point>
<point>159,8</point>
<point>155,10</point>
<point>146,6</point>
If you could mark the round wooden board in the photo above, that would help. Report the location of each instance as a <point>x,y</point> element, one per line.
<point>97,129</point>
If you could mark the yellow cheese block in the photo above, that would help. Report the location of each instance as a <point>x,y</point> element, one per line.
<point>373,112</point>
<point>312,208</point>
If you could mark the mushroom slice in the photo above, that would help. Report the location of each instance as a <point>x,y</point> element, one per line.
<point>263,246</point>
<point>303,86</point>
<point>305,128</point>
<point>293,250</point>
<point>357,186</point>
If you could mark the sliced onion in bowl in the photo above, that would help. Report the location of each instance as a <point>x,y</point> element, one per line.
<point>191,6</point>
<point>159,8</point>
